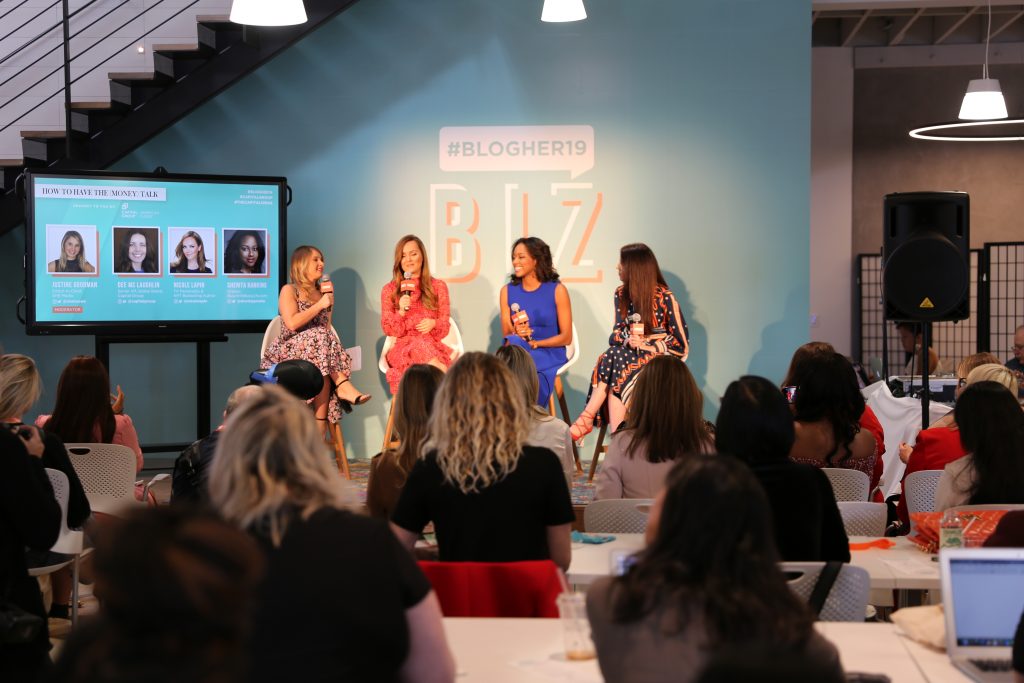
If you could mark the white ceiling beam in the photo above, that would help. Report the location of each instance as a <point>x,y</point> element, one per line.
<point>1006,24</point>
<point>856,28</point>
<point>898,38</point>
<point>956,24</point>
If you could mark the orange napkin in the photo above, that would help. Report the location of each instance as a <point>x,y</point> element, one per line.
<point>882,543</point>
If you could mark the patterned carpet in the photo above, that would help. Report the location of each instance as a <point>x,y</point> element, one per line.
<point>582,490</point>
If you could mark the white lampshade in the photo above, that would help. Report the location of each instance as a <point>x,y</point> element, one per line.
<point>983,101</point>
<point>563,10</point>
<point>268,12</point>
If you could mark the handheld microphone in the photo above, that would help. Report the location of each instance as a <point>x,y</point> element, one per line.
<point>326,286</point>
<point>408,285</point>
<point>520,317</point>
<point>636,325</point>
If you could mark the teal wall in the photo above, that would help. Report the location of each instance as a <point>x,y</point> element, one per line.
<point>700,114</point>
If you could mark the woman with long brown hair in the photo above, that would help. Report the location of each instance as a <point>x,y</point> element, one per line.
<point>414,309</point>
<point>413,405</point>
<point>307,334</point>
<point>663,424</point>
<point>648,324</point>
<point>535,311</point>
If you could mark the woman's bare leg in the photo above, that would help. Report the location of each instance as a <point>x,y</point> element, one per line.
<point>346,390</point>
<point>584,424</point>
<point>438,364</point>
<point>616,412</point>
<point>320,405</point>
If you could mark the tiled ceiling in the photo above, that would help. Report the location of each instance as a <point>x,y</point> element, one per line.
<point>892,23</point>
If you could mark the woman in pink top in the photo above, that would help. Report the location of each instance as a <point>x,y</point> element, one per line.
<point>82,412</point>
<point>662,425</point>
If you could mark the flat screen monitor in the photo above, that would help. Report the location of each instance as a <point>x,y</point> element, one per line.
<point>146,254</point>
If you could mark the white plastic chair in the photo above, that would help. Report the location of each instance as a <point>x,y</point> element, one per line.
<point>848,599</point>
<point>107,473</point>
<point>617,516</point>
<point>919,488</point>
<point>69,541</point>
<point>452,340</point>
<point>861,518</point>
<point>337,438</point>
<point>848,484</point>
<point>572,354</point>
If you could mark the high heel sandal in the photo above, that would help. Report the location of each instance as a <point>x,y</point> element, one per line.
<point>583,425</point>
<point>346,405</point>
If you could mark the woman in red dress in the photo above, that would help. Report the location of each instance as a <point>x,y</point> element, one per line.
<point>414,309</point>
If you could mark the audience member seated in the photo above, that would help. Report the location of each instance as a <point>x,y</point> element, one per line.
<point>1016,364</point>
<point>991,427</point>
<point>827,407</point>
<point>708,579</point>
<point>29,517</point>
<point>1009,532</point>
<point>940,445</point>
<point>663,424</point>
<point>546,431</point>
<point>82,412</point>
<point>912,339</point>
<point>341,599</point>
<point>20,387</point>
<point>192,466</point>
<point>756,426</point>
<point>414,403</point>
<point>174,588</point>
<point>868,420</point>
<point>491,497</point>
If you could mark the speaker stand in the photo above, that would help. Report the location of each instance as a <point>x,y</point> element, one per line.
<point>926,358</point>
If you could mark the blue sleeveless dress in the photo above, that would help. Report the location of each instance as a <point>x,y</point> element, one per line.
<point>540,307</point>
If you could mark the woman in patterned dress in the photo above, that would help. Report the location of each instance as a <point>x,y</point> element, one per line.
<point>306,334</point>
<point>535,291</point>
<point>418,319</point>
<point>643,293</point>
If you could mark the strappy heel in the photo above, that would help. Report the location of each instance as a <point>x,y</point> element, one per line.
<point>346,405</point>
<point>583,425</point>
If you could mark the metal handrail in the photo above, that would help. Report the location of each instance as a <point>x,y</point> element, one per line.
<point>41,13</point>
<point>59,23</point>
<point>66,66</point>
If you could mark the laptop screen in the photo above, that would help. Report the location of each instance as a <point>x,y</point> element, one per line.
<point>988,598</point>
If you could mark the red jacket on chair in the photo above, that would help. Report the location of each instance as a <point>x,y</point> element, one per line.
<point>495,589</point>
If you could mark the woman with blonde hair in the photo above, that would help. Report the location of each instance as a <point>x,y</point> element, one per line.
<point>271,475</point>
<point>190,255</point>
<point>491,497</point>
<point>20,387</point>
<point>664,422</point>
<point>72,256</point>
<point>389,470</point>
<point>307,334</point>
<point>546,431</point>
<point>414,309</point>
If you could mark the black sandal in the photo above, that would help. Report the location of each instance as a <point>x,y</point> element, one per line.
<point>346,405</point>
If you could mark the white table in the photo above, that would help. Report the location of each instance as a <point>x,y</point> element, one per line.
<point>515,650</point>
<point>901,567</point>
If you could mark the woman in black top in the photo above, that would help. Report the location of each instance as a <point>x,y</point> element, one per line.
<point>756,425</point>
<point>491,497</point>
<point>341,600</point>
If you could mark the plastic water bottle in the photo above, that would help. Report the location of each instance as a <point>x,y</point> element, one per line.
<point>951,530</point>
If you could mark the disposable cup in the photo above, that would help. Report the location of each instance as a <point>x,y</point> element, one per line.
<point>572,609</point>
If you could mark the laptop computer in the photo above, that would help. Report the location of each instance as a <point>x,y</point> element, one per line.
<point>983,598</point>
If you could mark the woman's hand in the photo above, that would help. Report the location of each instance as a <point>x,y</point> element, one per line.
<point>32,439</point>
<point>426,325</point>
<point>534,344</point>
<point>905,452</point>
<point>118,401</point>
<point>324,302</point>
<point>404,303</point>
<point>635,341</point>
<point>524,331</point>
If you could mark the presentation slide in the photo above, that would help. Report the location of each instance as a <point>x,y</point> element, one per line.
<point>117,250</point>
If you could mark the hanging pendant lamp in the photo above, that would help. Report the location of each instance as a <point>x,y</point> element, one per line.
<point>268,12</point>
<point>984,100</point>
<point>563,10</point>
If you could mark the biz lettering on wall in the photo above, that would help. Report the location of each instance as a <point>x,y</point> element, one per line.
<point>455,247</point>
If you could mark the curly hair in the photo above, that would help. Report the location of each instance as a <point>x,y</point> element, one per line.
<point>541,253</point>
<point>232,252</point>
<point>20,384</point>
<point>479,423</point>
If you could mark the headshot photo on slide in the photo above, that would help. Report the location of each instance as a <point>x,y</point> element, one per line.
<point>72,250</point>
<point>137,250</point>
<point>191,251</point>
<point>245,251</point>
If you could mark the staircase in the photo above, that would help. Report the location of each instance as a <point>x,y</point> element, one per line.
<point>142,105</point>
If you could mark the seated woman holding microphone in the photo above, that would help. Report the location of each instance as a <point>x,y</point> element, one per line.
<point>647,324</point>
<point>414,309</point>
<point>305,306</point>
<point>536,313</point>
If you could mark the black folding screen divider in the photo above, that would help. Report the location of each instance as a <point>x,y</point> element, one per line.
<point>997,309</point>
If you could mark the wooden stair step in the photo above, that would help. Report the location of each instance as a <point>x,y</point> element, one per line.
<point>189,47</point>
<point>42,134</point>
<point>9,163</point>
<point>214,19</point>
<point>90,105</point>
<point>131,75</point>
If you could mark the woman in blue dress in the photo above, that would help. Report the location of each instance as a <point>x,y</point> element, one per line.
<point>546,328</point>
